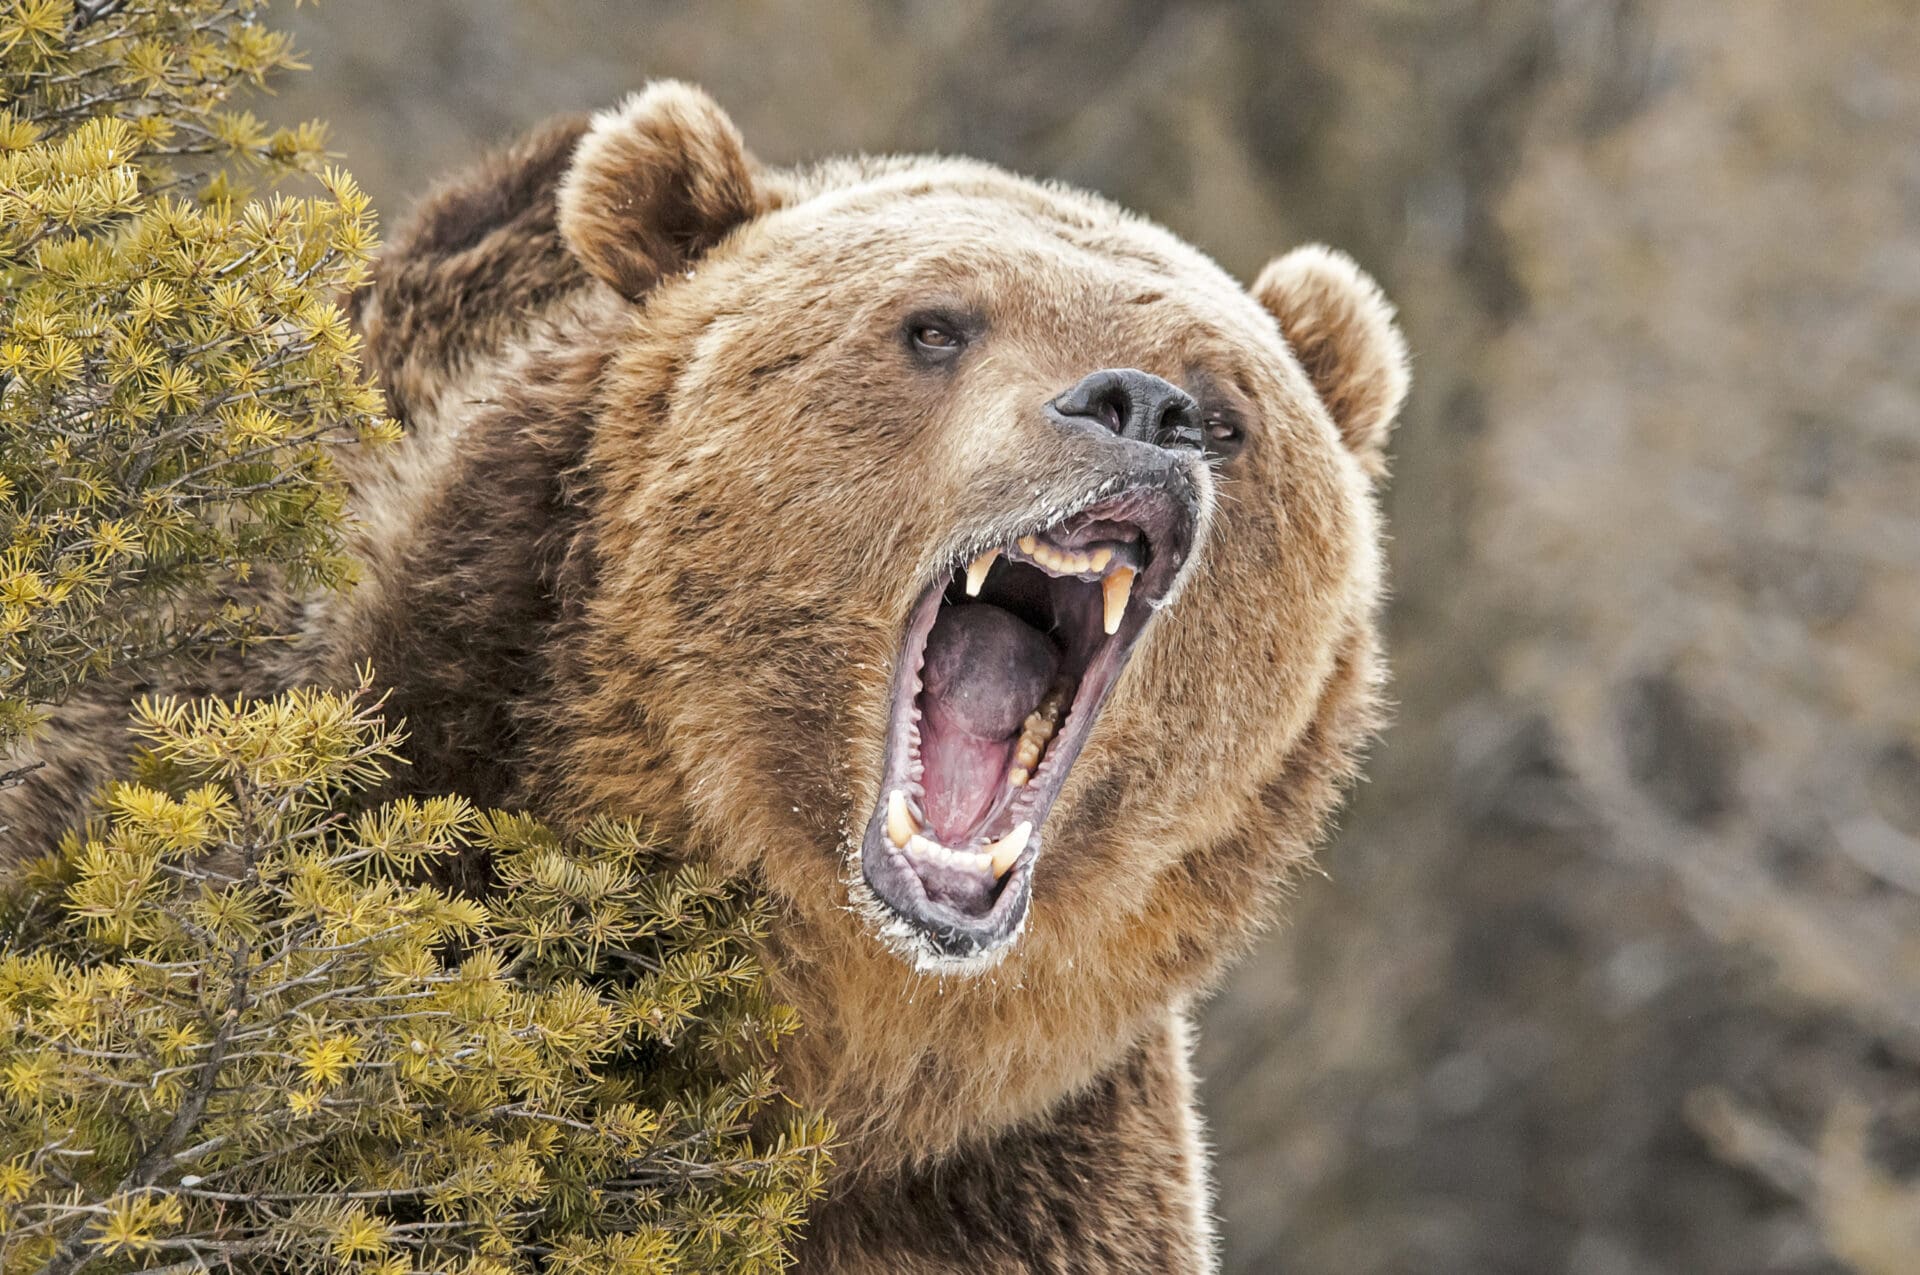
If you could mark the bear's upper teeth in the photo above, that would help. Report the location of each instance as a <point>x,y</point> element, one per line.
<point>1050,558</point>
<point>1063,562</point>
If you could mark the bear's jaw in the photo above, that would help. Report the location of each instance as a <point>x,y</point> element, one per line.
<point>1006,662</point>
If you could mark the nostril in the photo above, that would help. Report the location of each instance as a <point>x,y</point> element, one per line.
<point>1180,423</point>
<point>1132,404</point>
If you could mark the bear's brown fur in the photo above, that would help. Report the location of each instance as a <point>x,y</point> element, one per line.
<point>669,492</point>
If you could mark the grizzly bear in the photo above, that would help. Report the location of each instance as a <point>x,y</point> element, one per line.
<point>972,565</point>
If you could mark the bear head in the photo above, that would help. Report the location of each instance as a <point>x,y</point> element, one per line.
<point>978,567</point>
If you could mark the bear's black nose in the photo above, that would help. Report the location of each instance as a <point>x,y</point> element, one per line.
<point>1133,404</point>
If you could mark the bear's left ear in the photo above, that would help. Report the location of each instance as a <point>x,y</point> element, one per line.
<point>655,182</point>
<point>1341,329</point>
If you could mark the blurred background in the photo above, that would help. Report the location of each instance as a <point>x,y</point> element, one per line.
<point>1615,967</point>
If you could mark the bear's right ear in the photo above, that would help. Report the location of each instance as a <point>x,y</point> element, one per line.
<point>1341,329</point>
<point>655,182</point>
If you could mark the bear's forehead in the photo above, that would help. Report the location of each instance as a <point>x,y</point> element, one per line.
<point>971,234</point>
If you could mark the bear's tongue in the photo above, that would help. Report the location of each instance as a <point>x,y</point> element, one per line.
<point>984,671</point>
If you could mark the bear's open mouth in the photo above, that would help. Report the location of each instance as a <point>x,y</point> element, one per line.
<point>1004,668</point>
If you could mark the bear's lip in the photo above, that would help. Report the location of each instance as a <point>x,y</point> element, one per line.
<point>946,823</point>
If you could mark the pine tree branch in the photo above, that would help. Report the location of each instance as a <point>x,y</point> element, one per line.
<point>72,1256</point>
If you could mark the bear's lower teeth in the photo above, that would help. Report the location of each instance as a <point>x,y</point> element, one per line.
<point>997,857</point>
<point>1035,733</point>
<point>933,852</point>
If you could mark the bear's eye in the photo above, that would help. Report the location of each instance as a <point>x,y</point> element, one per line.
<point>1222,433</point>
<point>935,340</point>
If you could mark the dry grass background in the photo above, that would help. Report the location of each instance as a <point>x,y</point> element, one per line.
<point>1617,965</point>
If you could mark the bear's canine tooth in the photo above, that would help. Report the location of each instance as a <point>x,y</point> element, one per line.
<point>1003,852</point>
<point>977,571</point>
<point>901,825</point>
<point>1115,589</point>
